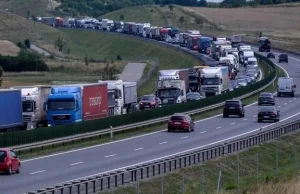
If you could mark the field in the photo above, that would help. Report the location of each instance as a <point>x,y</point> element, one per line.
<point>8,48</point>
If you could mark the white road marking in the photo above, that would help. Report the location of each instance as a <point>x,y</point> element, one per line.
<point>290,100</point>
<point>255,116</point>
<point>184,137</point>
<point>294,98</point>
<point>37,172</point>
<point>279,106</point>
<point>110,156</point>
<point>202,131</point>
<point>232,123</point>
<point>218,127</point>
<point>285,103</point>
<point>137,149</point>
<point>244,119</point>
<point>163,142</point>
<point>76,163</point>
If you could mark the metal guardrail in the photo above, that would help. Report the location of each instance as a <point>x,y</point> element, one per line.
<point>111,131</point>
<point>112,180</point>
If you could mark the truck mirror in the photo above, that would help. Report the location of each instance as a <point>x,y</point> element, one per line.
<point>221,81</point>
<point>181,92</point>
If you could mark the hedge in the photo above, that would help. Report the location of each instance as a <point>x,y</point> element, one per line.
<point>41,134</point>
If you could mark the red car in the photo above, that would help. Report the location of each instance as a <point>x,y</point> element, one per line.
<point>9,161</point>
<point>149,102</point>
<point>181,122</point>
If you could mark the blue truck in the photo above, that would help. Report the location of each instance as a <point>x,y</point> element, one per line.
<point>203,44</point>
<point>76,103</point>
<point>11,118</point>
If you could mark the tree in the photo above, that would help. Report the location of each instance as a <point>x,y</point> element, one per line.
<point>171,7</point>
<point>60,44</point>
<point>86,60</point>
<point>202,3</point>
<point>181,20</point>
<point>198,20</point>
<point>21,45</point>
<point>28,14</point>
<point>122,17</point>
<point>27,43</point>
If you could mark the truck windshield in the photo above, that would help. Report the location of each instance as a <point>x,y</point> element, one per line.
<point>27,106</point>
<point>165,93</point>
<point>61,105</point>
<point>193,78</point>
<point>211,81</point>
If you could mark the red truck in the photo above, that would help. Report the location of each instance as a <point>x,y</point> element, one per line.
<point>53,21</point>
<point>163,33</point>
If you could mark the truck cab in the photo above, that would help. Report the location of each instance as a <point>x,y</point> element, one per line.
<point>265,44</point>
<point>215,48</point>
<point>171,91</point>
<point>64,106</point>
<point>203,44</point>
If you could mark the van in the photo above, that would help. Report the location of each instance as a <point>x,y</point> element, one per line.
<point>286,86</point>
<point>252,61</point>
<point>246,55</point>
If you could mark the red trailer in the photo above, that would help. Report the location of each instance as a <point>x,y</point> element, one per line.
<point>94,101</point>
<point>163,33</point>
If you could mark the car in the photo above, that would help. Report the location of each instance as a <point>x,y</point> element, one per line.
<point>252,71</point>
<point>268,113</point>
<point>242,82</point>
<point>9,161</point>
<point>149,102</point>
<point>182,122</point>
<point>283,57</point>
<point>249,80</point>
<point>252,76</point>
<point>271,55</point>
<point>266,98</point>
<point>234,107</point>
<point>191,96</point>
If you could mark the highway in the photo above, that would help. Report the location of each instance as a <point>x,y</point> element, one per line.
<point>46,171</point>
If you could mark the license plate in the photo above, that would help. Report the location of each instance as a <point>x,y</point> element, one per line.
<point>146,106</point>
<point>266,117</point>
<point>231,108</point>
<point>177,123</point>
<point>265,101</point>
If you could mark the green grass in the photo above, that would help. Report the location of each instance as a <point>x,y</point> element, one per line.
<point>131,133</point>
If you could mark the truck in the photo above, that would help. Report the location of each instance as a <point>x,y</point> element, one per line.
<point>183,39</point>
<point>215,48</point>
<point>192,42</point>
<point>11,110</point>
<point>235,40</point>
<point>111,102</point>
<point>182,74</point>
<point>171,91</point>
<point>173,31</point>
<point>214,80</point>
<point>194,80</point>
<point>135,28</point>
<point>76,103</point>
<point>148,32</point>
<point>53,21</point>
<point>125,95</point>
<point>203,44</point>
<point>265,44</point>
<point>226,61</point>
<point>142,29</point>
<point>118,26</point>
<point>163,34</point>
<point>107,24</point>
<point>33,99</point>
<point>128,27</point>
<point>68,22</point>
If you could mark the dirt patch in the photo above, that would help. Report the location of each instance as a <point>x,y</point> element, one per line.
<point>8,48</point>
<point>52,5</point>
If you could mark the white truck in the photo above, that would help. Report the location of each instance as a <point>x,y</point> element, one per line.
<point>33,98</point>
<point>214,80</point>
<point>107,24</point>
<point>125,95</point>
<point>246,55</point>
<point>235,40</point>
<point>142,29</point>
<point>171,91</point>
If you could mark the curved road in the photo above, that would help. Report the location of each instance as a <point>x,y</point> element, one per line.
<point>46,171</point>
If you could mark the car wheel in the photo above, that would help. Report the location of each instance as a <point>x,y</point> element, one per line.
<point>169,130</point>
<point>277,120</point>
<point>293,94</point>
<point>287,61</point>
<point>259,104</point>
<point>9,172</point>
<point>278,94</point>
<point>243,115</point>
<point>225,115</point>
<point>18,170</point>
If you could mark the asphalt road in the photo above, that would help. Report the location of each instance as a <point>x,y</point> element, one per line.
<point>133,72</point>
<point>46,171</point>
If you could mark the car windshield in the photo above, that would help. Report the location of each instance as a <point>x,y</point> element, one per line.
<point>148,98</point>
<point>267,109</point>
<point>2,156</point>
<point>177,118</point>
<point>193,95</point>
<point>266,95</point>
<point>192,78</point>
<point>232,103</point>
<point>252,63</point>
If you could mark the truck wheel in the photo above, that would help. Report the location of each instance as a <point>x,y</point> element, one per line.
<point>293,94</point>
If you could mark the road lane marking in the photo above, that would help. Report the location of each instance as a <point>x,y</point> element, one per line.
<point>285,103</point>
<point>218,127</point>
<point>290,100</point>
<point>255,116</point>
<point>279,106</point>
<point>37,172</point>
<point>163,142</point>
<point>232,123</point>
<point>244,119</point>
<point>294,98</point>
<point>184,137</point>
<point>110,156</point>
<point>76,163</point>
<point>137,149</point>
<point>202,131</point>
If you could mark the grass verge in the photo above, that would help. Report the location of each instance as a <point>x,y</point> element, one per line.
<point>130,133</point>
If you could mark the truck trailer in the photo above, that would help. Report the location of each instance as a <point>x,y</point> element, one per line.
<point>76,103</point>
<point>11,110</point>
<point>33,99</point>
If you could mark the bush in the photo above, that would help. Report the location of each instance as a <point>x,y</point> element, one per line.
<point>25,61</point>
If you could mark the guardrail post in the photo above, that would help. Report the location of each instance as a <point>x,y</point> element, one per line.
<point>111,133</point>
<point>69,185</point>
<point>94,186</point>
<point>142,173</point>
<point>170,165</point>
<point>101,184</point>
<point>116,180</point>
<point>158,168</point>
<point>184,161</point>
<point>179,162</point>
<point>147,169</point>
<point>153,168</point>
<point>108,182</point>
<point>165,167</point>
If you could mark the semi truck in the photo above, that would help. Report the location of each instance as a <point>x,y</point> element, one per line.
<point>142,29</point>
<point>265,44</point>
<point>107,24</point>
<point>125,94</point>
<point>216,51</point>
<point>194,80</point>
<point>33,99</point>
<point>163,34</point>
<point>128,27</point>
<point>182,74</point>
<point>76,103</point>
<point>171,91</point>
<point>203,44</point>
<point>192,42</point>
<point>214,80</point>
<point>235,40</point>
<point>11,110</point>
<point>53,21</point>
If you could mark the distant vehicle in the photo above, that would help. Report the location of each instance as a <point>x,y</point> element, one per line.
<point>191,96</point>
<point>265,44</point>
<point>286,85</point>
<point>242,82</point>
<point>252,71</point>
<point>234,107</point>
<point>283,57</point>
<point>266,98</point>
<point>181,122</point>
<point>271,55</point>
<point>249,80</point>
<point>268,113</point>
<point>169,39</point>
<point>9,161</point>
<point>149,102</point>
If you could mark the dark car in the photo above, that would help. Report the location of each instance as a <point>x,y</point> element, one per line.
<point>182,122</point>
<point>268,113</point>
<point>283,57</point>
<point>149,102</point>
<point>271,55</point>
<point>9,161</point>
<point>233,107</point>
<point>266,98</point>
<point>193,96</point>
